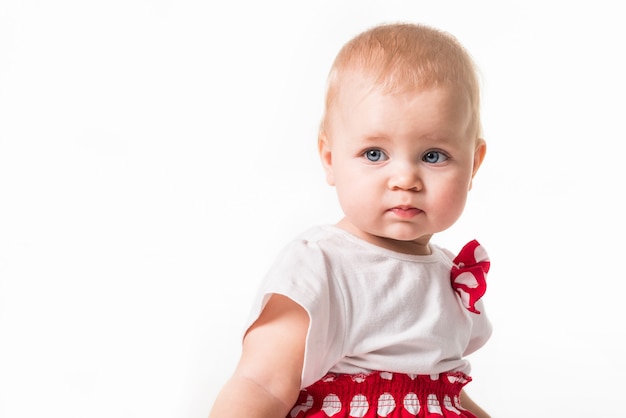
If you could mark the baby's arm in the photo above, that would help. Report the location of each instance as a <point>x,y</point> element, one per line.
<point>266,382</point>
<point>471,406</point>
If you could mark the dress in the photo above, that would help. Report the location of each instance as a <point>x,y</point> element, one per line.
<point>373,310</point>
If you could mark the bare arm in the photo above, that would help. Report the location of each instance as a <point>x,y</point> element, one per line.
<point>266,382</point>
<point>471,406</point>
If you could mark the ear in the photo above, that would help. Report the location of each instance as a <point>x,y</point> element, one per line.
<point>326,156</point>
<point>479,156</point>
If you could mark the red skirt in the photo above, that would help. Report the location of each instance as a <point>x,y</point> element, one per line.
<point>383,394</point>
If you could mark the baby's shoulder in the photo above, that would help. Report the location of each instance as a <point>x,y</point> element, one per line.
<point>307,249</point>
<point>442,252</point>
<point>318,239</point>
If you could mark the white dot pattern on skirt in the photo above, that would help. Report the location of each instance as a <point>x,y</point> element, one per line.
<point>412,403</point>
<point>359,406</point>
<point>331,405</point>
<point>385,404</point>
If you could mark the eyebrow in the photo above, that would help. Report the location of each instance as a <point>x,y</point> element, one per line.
<point>374,138</point>
<point>434,139</point>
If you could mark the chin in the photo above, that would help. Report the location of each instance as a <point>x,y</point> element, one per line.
<point>406,234</point>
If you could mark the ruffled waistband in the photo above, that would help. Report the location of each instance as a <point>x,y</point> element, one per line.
<point>383,394</point>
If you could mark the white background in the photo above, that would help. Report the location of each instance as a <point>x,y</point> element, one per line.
<point>155,155</point>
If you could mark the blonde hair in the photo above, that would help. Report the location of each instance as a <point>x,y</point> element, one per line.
<point>405,57</point>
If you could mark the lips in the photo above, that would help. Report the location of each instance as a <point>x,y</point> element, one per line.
<point>405,212</point>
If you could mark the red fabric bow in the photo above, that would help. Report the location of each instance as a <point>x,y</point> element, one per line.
<point>468,274</point>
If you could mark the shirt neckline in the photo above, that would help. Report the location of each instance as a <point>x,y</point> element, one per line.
<point>431,258</point>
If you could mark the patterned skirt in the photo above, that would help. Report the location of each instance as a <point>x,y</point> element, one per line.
<point>383,394</point>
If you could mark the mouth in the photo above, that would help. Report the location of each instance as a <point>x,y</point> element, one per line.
<point>405,212</point>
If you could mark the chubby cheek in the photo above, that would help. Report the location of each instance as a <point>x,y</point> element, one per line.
<point>351,196</point>
<point>356,195</point>
<point>449,204</point>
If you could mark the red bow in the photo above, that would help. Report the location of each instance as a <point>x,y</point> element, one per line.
<point>468,274</point>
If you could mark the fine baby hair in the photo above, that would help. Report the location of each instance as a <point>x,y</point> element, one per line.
<point>404,57</point>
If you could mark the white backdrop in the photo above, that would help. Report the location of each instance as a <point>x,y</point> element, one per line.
<point>155,155</point>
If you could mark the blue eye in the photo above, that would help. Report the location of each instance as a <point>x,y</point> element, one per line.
<point>375,155</point>
<point>433,157</point>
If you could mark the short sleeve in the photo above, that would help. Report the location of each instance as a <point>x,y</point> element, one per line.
<point>481,330</point>
<point>301,273</point>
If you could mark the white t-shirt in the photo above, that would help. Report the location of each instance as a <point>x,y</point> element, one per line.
<point>373,309</point>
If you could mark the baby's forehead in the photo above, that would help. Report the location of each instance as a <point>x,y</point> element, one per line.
<point>363,106</point>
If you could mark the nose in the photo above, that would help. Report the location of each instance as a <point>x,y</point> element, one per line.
<point>405,177</point>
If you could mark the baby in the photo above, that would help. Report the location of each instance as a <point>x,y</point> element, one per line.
<point>367,317</point>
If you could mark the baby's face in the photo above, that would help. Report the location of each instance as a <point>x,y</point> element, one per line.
<point>402,163</point>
